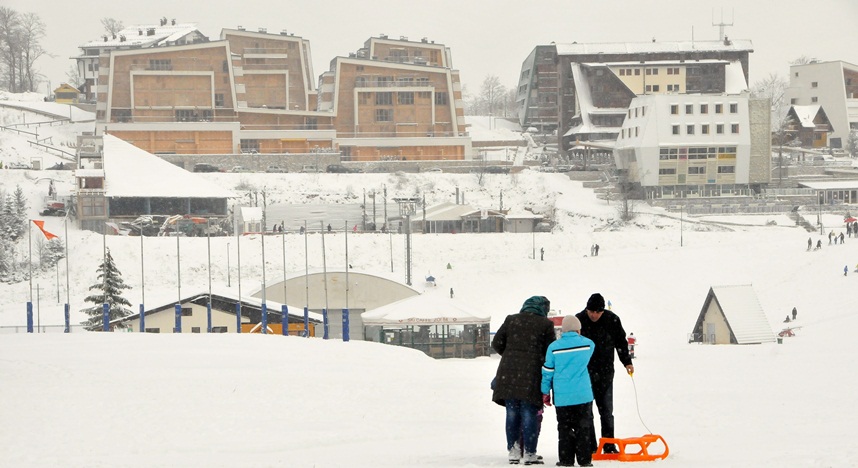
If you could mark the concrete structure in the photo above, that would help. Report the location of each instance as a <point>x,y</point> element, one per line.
<point>732,315</point>
<point>832,85</point>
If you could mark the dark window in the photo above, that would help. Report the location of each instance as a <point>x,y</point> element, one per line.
<point>383,115</point>
<point>160,64</point>
<point>383,99</point>
<point>405,98</point>
<point>441,99</point>
<point>704,129</point>
<point>195,329</point>
<point>719,108</point>
<point>153,330</point>
<point>734,108</point>
<point>704,108</point>
<point>674,109</point>
<point>187,311</point>
<point>249,146</point>
<point>689,129</point>
<point>734,128</point>
<point>689,109</point>
<point>219,101</point>
<point>676,129</point>
<point>719,129</point>
<point>218,329</point>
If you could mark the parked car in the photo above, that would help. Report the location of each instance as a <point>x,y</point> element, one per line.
<point>16,165</point>
<point>275,168</point>
<point>339,168</point>
<point>434,169</point>
<point>239,169</point>
<point>309,168</point>
<point>205,167</point>
<point>497,170</point>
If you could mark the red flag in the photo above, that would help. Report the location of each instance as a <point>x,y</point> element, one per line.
<point>41,225</point>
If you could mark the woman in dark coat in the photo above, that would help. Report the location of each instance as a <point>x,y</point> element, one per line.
<point>522,341</point>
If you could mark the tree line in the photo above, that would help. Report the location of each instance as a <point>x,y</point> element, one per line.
<point>21,35</point>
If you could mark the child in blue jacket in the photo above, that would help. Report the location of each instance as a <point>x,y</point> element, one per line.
<point>565,372</point>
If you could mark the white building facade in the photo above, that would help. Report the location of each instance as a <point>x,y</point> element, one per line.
<point>832,85</point>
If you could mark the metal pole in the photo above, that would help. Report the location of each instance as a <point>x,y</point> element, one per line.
<point>325,278</point>
<point>284,309</point>
<point>238,306</point>
<point>680,225</point>
<point>142,274</point>
<point>306,285</point>
<point>408,249</point>
<point>209,253</point>
<point>227,266</point>
<point>178,268</point>
<point>390,237</point>
<point>68,289</point>
<point>264,286</point>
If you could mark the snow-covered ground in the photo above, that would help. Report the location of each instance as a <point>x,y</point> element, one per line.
<point>132,400</point>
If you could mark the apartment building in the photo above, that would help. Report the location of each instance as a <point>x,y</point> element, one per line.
<point>141,36</point>
<point>249,92</point>
<point>695,145</point>
<point>396,100</point>
<point>253,92</point>
<point>591,85</point>
<point>833,86</point>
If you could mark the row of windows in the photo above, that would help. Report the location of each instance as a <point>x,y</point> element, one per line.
<point>697,152</point>
<point>696,170</point>
<point>634,112</point>
<point>407,97</point>
<point>649,71</point>
<point>704,108</point>
<point>704,129</point>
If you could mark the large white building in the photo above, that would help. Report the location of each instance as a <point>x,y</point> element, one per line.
<point>832,85</point>
<point>679,145</point>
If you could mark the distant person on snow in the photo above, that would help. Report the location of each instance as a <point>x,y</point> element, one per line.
<point>809,243</point>
<point>845,270</point>
<point>794,313</point>
<point>818,244</point>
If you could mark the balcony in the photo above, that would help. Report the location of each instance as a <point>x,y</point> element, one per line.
<point>392,84</point>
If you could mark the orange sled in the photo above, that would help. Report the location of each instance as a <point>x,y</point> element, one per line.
<point>641,455</point>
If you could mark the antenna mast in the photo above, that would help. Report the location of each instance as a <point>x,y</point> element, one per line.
<point>722,24</point>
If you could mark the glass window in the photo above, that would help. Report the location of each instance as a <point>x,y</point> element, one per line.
<point>719,129</point>
<point>405,98</point>
<point>383,99</point>
<point>441,99</point>
<point>734,128</point>
<point>704,108</point>
<point>384,115</point>
<point>689,129</point>
<point>734,108</point>
<point>689,109</point>
<point>719,108</point>
<point>704,129</point>
<point>676,129</point>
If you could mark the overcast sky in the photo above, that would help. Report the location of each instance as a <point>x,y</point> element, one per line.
<point>487,37</point>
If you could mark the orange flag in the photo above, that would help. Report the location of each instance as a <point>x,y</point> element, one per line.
<point>41,225</point>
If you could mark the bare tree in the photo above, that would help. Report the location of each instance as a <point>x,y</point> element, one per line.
<point>112,26</point>
<point>773,87</point>
<point>783,134</point>
<point>492,94</point>
<point>31,33</point>
<point>803,60</point>
<point>10,22</point>
<point>73,76</point>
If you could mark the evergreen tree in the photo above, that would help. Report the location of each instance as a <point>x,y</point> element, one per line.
<point>852,144</point>
<point>50,252</point>
<point>109,287</point>
<point>7,261</point>
<point>8,231</point>
<point>20,203</point>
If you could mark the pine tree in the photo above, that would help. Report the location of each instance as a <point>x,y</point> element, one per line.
<point>110,288</point>
<point>20,203</point>
<point>8,231</point>
<point>50,252</point>
<point>852,144</point>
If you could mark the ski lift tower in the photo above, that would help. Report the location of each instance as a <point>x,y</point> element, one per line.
<point>407,207</point>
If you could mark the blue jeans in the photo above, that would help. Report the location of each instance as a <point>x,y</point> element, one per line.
<point>521,420</point>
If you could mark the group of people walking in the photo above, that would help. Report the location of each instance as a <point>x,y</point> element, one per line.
<point>571,372</point>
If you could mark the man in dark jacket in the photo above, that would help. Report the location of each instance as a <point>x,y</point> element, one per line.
<point>522,341</point>
<point>605,329</point>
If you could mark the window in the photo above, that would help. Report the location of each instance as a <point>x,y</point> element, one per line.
<point>405,98</point>
<point>622,72</point>
<point>152,330</point>
<point>637,71</point>
<point>704,129</point>
<point>441,99</point>
<point>793,101</point>
<point>719,129</point>
<point>92,206</point>
<point>648,88</point>
<point>218,329</point>
<point>719,108</point>
<point>655,88</point>
<point>814,84</point>
<point>187,312</point>
<point>734,108</point>
<point>697,170</point>
<point>649,71</point>
<point>384,115</point>
<point>637,131</point>
<point>734,128</point>
<point>726,169</point>
<point>383,99</point>
<point>704,108</point>
<point>225,66</point>
<point>195,329</point>
<point>670,71</point>
<point>814,99</point>
<point>160,64</point>
<point>689,129</point>
<point>249,146</point>
<point>219,101</point>
<point>689,109</point>
<point>676,129</point>
<point>185,115</point>
<point>667,171</point>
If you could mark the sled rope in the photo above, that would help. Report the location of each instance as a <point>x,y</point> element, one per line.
<point>637,405</point>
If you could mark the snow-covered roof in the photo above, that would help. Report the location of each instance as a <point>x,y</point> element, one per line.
<point>132,172</point>
<point>806,114</point>
<point>830,185</point>
<point>448,211</point>
<point>734,78</point>
<point>89,173</point>
<point>743,313</point>
<point>251,213</point>
<point>137,36</point>
<point>431,308</point>
<point>653,47</point>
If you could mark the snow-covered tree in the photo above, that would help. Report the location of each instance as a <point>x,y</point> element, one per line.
<point>112,25</point>
<point>50,252</point>
<point>852,144</point>
<point>9,229</point>
<point>109,287</point>
<point>20,202</point>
